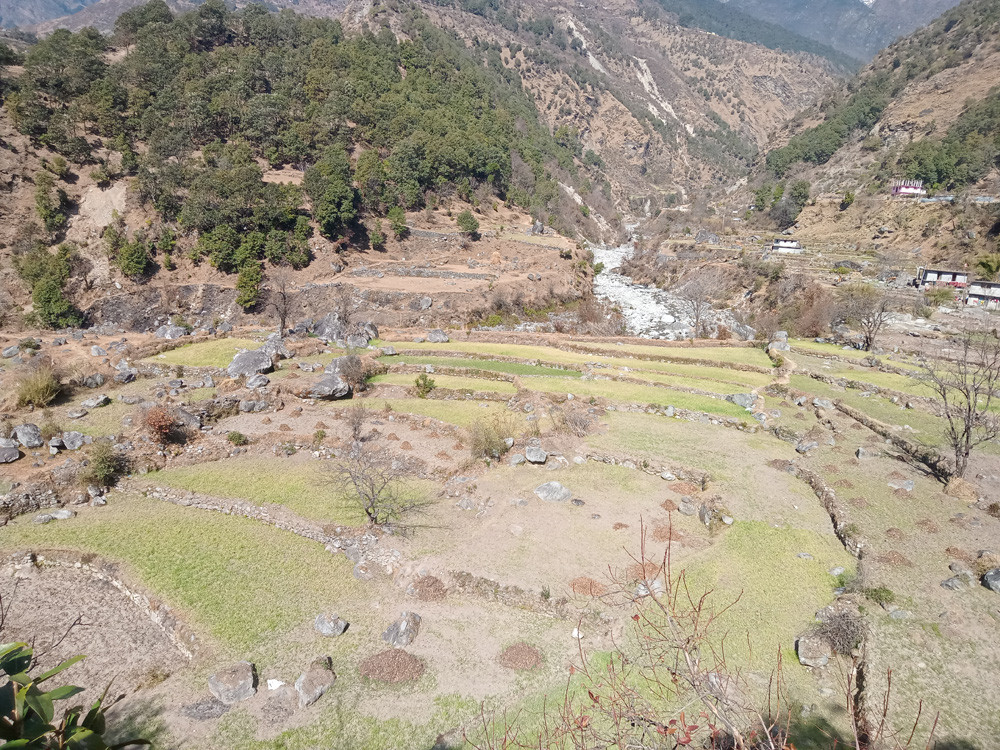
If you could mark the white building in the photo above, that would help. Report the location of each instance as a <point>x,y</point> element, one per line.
<point>932,277</point>
<point>787,247</point>
<point>908,189</point>
<point>984,294</point>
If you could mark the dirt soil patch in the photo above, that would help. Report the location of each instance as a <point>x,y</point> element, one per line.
<point>685,488</point>
<point>392,666</point>
<point>588,586</point>
<point>895,559</point>
<point>644,571</point>
<point>520,657</point>
<point>429,589</point>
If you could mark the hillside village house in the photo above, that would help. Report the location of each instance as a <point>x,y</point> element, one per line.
<point>984,294</point>
<point>787,247</point>
<point>933,277</point>
<point>908,189</point>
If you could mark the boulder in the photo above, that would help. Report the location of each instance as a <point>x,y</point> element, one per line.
<point>553,492</point>
<point>76,413</point>
<point>11,351</point>
<point>96,351</point>
<point>388,351</point>
<point>257,381</point>
<point>779,346</point>
<point>863,453</point>
<point>250,363</point>
<point>962,580</point>
<point>516,460</point>
<point>96,402</point>
<point>9,452</point>
<point>535,455</point>
<point>806,445</point>
<point>991,580</point>
<point>813,651</point>
<point>822,403</point>
<point>315,681</point>
<point>330,328</point>
<point>902,484</point>
<point>402,632</point>
<point>126,376</point>
<point>330,386</point>
<point>275,347</point>
<point>170,332</point>
<point>72,440</point>
<point>344,364</point>
<point>437,336</point>
<point>234,684</point>
<point>746,400</point>
<point>29,435</point>
<point>780,336</point>
<point>330,625</point>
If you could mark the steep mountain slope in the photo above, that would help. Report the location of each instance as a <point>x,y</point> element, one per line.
<point>27,12</point>
<point>856,27</point>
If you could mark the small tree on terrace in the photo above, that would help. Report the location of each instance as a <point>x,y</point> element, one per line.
<point>867,307</point>
<point>468,224</point>
<point>370,477</point>
<point>968,386</point>
<point>696,294</point>
<point>281,297</point>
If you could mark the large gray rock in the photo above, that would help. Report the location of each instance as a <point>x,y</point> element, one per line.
<point>402,632</point>
<point>806,445</point>
<point>330,625</point>
<point>330,328</point>
<point>343,364</point>
<point>535,455</point>
<point>234,684</point>
<point>746,400</point>
<point>170,332</point>
<point>553,492</point>
<point>963,580</point>
<point>863,453</point>
<point>96,402</point>
<point>275,347</point>
<point>29,435</point>
<point>11,351</point>
<point>330,386</point>
<point>315,681</point>
<point>437,336</point>
<point>779,346</point>
<point>97,351</point>
<point>991,580</point>
<point>72,440</point>
<point>94,380</point>
<point>250,363</point>
<point>813,651</point>
<point>9,452</point>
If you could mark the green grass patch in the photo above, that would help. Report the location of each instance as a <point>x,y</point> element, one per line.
<point>747,355</point>
<point>244,583</point>
<point>212,353</point>
<point>488,365</point>
<point>457,412</point>
<point>449,382</point>
<point>635,393</point>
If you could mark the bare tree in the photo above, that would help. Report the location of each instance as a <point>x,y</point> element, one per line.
<point>697,294</point>
<point>867,307</point>
<point>281,297</point>
<point>373,478</point>
<point>968,386</point>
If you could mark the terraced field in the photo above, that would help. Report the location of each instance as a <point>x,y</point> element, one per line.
<point>247,543</point>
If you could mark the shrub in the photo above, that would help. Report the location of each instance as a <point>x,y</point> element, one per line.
<point>237,438</point>
<point>159,423</point>
<point>397,222</point>
<point>51,307</point>
<point>248,284</point>
<point>844,631</point>
<point>468,224</point>
<point>105,465</point>
<point>318,437</point>
<point>847,200</point>
<point>376,236</point>
<point>424,385</point>
<point>880,595</point>
<point>487,439</point>
<point>40,387</point>
<point>938,297</point>
<point>357,416</point>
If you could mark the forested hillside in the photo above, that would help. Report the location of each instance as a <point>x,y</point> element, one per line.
<point>927,107</point>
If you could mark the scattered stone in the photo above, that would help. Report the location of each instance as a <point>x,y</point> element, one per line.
<point>205,709</point>
<point>991,580</point>
<point>746,400</point>
<point>822,403</point>
<point>813,651</point>
<point>668,476</point>
<point>234,684</point>
<point>29,435</point>
<point>72,440</point>
<point>330,625</point>
<point>173,332</point>
<point>96,402</point>
<point>11,351</point>
<point>94,380</point>
<point>315,681</point>
<point>437,336</point>
<point>686,507</point>
<point>535,455</point>
<point>258,381</point>
<point>402,632</point>
<point>863,453</point>
<point>962,580</point>
<point>516,460</point>
<point>902,484</point>
<point>96,351</point>
<point>900,614</point>
<point>553,492</point>
<point>806,446</point>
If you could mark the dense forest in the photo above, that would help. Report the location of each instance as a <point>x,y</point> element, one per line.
<point>971,145</point>
<point>192,106</point>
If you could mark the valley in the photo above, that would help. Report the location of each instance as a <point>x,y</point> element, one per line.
<point>482,376</point>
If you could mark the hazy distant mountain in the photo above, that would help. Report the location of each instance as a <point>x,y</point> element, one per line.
<point>29,12</point>
<point>856,27</point>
